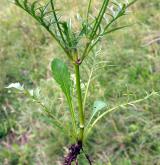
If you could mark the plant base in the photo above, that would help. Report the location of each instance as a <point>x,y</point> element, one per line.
<point>74,151</point>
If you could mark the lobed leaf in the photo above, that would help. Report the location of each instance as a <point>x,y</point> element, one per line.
<point>124,105</point>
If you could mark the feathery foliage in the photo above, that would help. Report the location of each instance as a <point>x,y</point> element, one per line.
<point>92,29</point>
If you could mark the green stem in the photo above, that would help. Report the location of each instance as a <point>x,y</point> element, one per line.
<point>73,118</point>
<point>89,6</point>
<point>80,104</point>
<point>57,22</point>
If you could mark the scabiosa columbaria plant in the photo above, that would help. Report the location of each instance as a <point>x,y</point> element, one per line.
<point>93,27</point>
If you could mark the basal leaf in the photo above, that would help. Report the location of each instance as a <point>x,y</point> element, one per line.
<point>62,76</point>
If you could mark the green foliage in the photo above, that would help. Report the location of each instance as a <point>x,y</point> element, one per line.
<point>128,135</point>
<point>97,107</point>
<point>62,31</point>
<point>68,39</point>
<point>62,77</point>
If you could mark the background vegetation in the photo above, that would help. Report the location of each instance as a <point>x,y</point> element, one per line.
<point>130,136</point>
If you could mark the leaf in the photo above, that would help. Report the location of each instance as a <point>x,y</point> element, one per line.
<point>33,8</point>
<point>97,106</point>
<point>62,76</point>
<point>115,29</point>
<point>17,86</point>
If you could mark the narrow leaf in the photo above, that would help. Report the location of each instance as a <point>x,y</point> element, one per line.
<point>115,29</point>
<point>33,10</point>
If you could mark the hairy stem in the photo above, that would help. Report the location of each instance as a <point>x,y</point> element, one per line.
<point>80,104</point>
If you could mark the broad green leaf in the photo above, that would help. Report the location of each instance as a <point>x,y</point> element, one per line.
<point>62,76</point>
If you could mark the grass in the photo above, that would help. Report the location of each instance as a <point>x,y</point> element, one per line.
<point>129,136</point>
